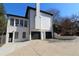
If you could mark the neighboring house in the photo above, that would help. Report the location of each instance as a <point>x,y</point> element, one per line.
<point>21,28</point>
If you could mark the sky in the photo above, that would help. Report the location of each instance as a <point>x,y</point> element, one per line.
<point>17,8</point>
<point>66,9</point>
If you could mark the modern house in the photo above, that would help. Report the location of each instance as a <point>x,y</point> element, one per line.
<point>25,28</point>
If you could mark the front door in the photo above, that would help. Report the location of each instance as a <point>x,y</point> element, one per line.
<point>10,37</point>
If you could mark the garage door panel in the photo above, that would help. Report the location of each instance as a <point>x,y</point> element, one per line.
<point>48,35</point>
<point>36,35</point>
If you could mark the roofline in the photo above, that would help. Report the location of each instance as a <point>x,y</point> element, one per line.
<point>28,8</point>
<point>15,15</point>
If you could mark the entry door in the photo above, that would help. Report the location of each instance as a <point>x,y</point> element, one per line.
<point>48,35</point>
<point>10,37</point>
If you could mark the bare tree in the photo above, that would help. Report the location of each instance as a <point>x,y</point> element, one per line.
<point>55,13</point>
<point>56,20</point>
<point>75,19</point>
<point>67,27</point>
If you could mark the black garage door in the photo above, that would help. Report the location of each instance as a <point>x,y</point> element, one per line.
<point>48,35</point>
<point>36,35</point>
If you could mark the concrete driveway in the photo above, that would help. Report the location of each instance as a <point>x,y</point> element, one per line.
<point>48,48</point>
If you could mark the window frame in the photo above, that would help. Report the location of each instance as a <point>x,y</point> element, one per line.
<point>16,23</point>
<point>24,35</point>
<point>25,23</point>
<point>16,35</point>
<point>21,22</point>
<point>11,21</point>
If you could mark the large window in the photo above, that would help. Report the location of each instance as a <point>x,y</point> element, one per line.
<point>24,35</point>
<point>16,35</point>
<point>21,22</point>
<point>25,23</point>
<point>12,21</point>
<point>17,22</point>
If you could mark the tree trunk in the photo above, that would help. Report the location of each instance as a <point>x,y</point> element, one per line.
<point>2,38</point>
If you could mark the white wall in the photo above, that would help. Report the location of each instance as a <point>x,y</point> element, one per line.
<point>44,23</point>
<point>17,29</point>
<point>32,19</point>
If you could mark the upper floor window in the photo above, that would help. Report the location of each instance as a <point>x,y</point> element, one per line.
<point>25,23</point>
<point>12,21</point>
<point>21,22</point>
<point>17,22</point>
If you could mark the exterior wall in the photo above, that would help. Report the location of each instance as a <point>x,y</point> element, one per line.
<point>33,25</point>
<point>32,19</point>
<point>44,24</point>
<point>17,29</point>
